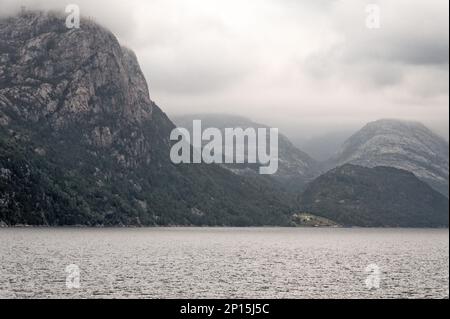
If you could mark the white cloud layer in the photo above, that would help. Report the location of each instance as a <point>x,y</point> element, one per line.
<point>305,66</point>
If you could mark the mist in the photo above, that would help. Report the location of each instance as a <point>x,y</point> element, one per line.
<point>306,67</point>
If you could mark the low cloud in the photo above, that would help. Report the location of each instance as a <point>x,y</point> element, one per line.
<point>305,66</point>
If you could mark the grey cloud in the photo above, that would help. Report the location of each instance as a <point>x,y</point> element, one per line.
<point>413,41</point>
<point>307,66</point>
<point>118,16</point>
<point>391,45</point>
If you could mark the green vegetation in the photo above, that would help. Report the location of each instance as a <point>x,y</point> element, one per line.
<point>56,179</point>
<point>375,197</point>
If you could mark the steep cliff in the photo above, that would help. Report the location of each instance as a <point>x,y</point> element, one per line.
<point>81,142</point>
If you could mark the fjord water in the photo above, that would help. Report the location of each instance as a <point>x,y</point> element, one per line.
<point>224,263</point>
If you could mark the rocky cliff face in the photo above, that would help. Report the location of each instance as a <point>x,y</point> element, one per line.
<point>65,77</point>
<point>82,143</point>
<point>375,197</point>
<point>405,145</point>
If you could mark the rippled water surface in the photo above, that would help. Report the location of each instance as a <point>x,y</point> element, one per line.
<point>224,263</point>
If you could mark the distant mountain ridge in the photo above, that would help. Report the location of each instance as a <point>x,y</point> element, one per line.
<point>352,195</point>
<point>296,168</point>
<point>401,144</point>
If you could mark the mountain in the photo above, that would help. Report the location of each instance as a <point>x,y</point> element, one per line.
<point>405,145</point>
<point>375,197</point>
<point>81,142</point>
<point>296,168</point>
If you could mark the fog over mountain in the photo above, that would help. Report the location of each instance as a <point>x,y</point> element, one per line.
<point>295,167</point>
<point>307,67</point>
<point>323,147</point>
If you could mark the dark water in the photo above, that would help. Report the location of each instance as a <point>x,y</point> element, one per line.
<point>225,263</point>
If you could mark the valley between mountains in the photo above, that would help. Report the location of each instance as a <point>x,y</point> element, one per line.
<point>83,143</point>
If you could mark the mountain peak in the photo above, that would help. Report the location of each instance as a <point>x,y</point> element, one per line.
<point>72,74</point>
<point>397,124</point>
<point>296,168</point>
<point>401,144</point>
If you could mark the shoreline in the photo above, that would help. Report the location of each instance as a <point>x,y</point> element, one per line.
<point>207,227</point>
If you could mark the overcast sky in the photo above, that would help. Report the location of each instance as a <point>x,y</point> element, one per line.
<point>308,67</point>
